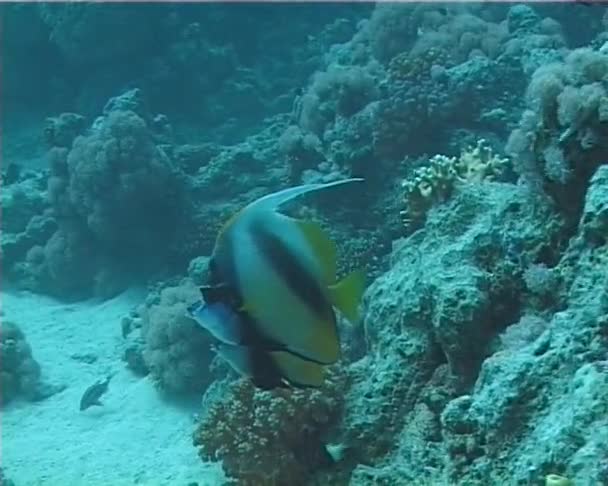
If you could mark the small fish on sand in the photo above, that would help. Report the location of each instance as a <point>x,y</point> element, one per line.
<point>92,394</point>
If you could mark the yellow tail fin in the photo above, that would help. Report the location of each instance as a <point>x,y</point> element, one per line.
<point>346,295</point>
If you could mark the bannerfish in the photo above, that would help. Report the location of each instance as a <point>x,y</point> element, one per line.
<point>91,395</point>
<point>280,273</point>
<point>271,369</point>
<point>265,367</point>
<point>220,319</point>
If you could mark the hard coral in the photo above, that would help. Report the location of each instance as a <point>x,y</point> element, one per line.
<point>117,201</point>
<point>20,202</point>
<point>431,321</point>
<point>176,350</point>
<point>562,135</point>
<point>462,36</point>
<point>124,188</point>
<point>60,131</point>
<point>270,437</point>
<point>76,28</point>
<point>435,182</point>
<point>394,27</point>
<point>594,220</point>
<point>540,406</point>
<point>414,68</point>
<point>20,372</point>
<point>338,91</point>
<point>417,68</point>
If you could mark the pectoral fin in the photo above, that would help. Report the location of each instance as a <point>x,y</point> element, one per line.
<point>346,295</point>
<point>219,293</point>
<point>220,320</point>
<point>323,248</point>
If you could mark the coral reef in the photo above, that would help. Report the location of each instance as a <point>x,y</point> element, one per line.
<point>179,56</point>
<point>490,413</point>
<point>464,312</point>
<point>220,191</point>
<point>539,408</point>
<point>60,131</point>
<point>483,354</point>
<point>76,30</point>
<point>339,91</point>
<point>121,186</point>
<point>562,134</point>
<point>175,350</point>
<point>449,292</point>
<point>20,371</point>
<point>435,181</point>
<point>114,202</point>
<point>5,481</point>
<point>275,437</point>
<point>21,202</point>
<point>416,79</point>
<point>410,68</point>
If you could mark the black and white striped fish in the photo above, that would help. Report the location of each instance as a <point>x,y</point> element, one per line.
<point>275,278</point>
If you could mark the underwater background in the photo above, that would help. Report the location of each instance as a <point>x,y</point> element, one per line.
<point>132,132</point>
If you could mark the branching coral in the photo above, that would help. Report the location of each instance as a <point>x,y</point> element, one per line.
<point>176,350</point>
<point>270,437</point>
<point>435,182</point>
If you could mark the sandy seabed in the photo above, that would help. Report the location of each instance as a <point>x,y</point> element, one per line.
<point>135,438</point>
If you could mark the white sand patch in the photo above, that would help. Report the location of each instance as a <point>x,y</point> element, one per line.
<point>135,438</point>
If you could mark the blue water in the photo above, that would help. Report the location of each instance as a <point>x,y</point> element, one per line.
<point>132,132</point>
